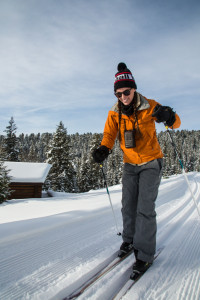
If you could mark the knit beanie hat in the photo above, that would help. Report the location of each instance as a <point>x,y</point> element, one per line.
<point>124,77</point>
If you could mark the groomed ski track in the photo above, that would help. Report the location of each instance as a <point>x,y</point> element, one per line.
<point>48,245</point>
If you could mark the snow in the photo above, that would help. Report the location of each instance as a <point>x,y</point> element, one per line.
<point>27,172</point>
<point>48,245</point>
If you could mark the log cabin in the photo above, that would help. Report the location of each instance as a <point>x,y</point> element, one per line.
<point>27,178</point>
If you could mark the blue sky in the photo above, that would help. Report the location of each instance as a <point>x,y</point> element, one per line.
<point>58,59</point>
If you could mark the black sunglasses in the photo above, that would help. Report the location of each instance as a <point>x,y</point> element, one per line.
<point>125,93</point>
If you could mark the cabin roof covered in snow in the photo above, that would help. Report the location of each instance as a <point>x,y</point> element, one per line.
<point>27,171</point>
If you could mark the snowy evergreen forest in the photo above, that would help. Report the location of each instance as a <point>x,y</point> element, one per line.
<point>73,169</point>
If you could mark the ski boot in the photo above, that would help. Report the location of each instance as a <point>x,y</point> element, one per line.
<point>125,249</point>
<point>139,268</point>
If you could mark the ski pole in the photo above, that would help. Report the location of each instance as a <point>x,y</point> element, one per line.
<point>182,168</point>
<point>115,220</point>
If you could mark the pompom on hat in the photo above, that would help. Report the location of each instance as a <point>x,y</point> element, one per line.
<point>124,78</point>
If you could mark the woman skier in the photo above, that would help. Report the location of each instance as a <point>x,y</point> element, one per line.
<point>132,119</point>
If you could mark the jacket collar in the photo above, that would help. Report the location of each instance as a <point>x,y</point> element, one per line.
<point>142,102</point>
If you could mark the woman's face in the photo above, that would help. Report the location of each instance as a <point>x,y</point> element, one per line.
<point>125,95</point>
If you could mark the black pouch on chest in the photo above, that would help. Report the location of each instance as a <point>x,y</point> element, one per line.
<point>129,137</point>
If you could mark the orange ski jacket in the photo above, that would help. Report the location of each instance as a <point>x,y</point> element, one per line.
<point>147,146</point>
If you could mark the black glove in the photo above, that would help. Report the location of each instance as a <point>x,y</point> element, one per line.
<point>164,114</point>
<point>100,154</point>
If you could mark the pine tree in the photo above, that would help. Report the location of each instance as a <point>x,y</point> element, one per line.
<point>10,141</point>
<point>83,174</point>
<point>62,175</point>
<point>3,154</point>
<point>4,183</point>
<point>33,154</point>
<point>94,175</point>
<point>114,165</point>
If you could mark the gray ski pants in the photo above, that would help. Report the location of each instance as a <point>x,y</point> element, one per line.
<point>139,192</point>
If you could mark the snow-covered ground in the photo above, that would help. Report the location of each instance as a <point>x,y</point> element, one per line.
<point>48,244</point>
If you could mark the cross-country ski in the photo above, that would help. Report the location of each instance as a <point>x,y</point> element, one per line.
<point>129,283</point>
<point>97,274</point>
